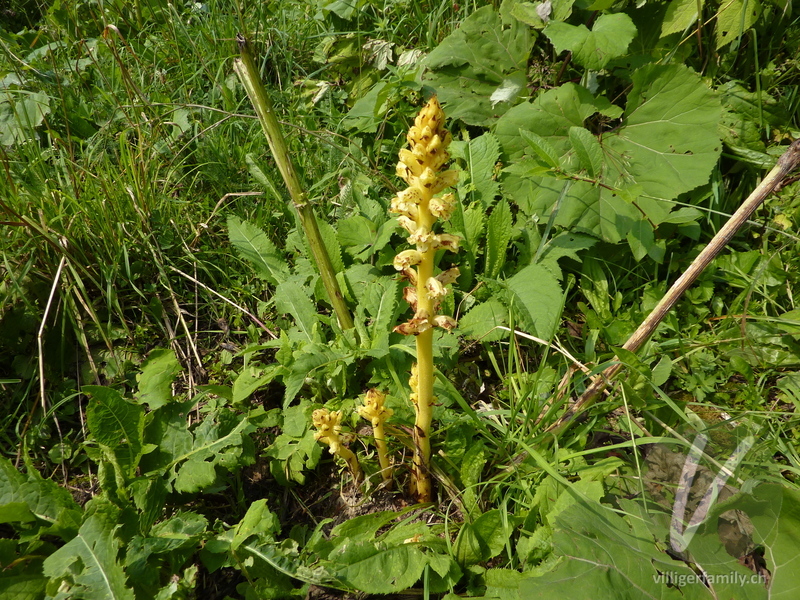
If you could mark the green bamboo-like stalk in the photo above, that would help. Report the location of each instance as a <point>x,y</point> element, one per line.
<point>248,74</point>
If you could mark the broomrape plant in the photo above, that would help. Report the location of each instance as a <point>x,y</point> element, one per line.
<point>419,208</point>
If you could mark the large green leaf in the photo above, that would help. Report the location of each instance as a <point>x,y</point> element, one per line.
<point>669,142</point>
<point>21,114</point>
<point>666,145</point>
<point>478,71</point>
<point>604,553</point>
<point>774,511</point>
<point>680,15</point>
<point>608,39</point>
<point>89,563</point>
<point>370,568</point>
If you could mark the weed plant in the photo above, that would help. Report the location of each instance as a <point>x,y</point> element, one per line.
<point>165,338</point>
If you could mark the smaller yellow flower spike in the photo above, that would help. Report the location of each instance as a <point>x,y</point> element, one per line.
<point>328,424</point>
<point>375,412</point>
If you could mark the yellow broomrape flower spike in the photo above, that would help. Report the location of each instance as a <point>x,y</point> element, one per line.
<point>421,167</point>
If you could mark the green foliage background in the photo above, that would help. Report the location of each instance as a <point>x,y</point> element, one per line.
<point>164,335</point>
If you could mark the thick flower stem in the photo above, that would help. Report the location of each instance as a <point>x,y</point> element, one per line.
<point>248,74</point>
<point>421,477</point>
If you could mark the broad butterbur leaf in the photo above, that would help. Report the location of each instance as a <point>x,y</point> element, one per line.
<point>480,59</point>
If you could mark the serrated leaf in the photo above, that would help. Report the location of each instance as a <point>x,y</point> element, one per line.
<point>481,322</point>
<point>291,298</point>
<point>498,235</point>
<point>537,298</point>
<point>587,149</point>
<point>331,241</point>
<point>89,563</point>
<point>116,423</point>
<point>680,15</point>
<point>253,245</point>
<point>734,18</point>
<point>382,302</point>
<point>312,357</point>
<point>470,65</point>
<point>155,380</point>
<point>609,38</point>
<point>261,177</point>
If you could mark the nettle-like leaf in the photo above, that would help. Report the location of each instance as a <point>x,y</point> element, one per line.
<point>609,38</point>
<point>480,155</point>
<point>536,297</point>
<point>734,18</point>
<point>680,15</point>
<point>667,145</point>
<point>478,71</point>
<point>88,564</point>
<point>482,321</point>
<point>498,236</point>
